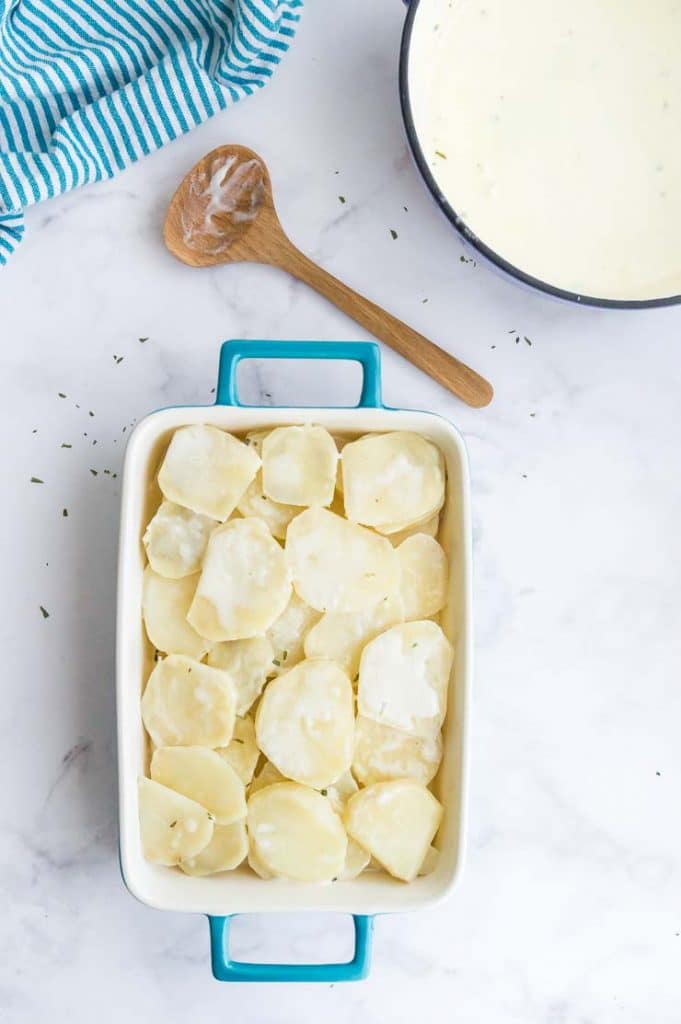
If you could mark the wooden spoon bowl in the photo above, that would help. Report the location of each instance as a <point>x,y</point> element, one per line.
<point>223,212</point>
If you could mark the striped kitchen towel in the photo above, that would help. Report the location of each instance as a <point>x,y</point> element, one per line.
<point>87,87</point>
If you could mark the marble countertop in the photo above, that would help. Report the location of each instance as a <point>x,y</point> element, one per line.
<point>569,908</point>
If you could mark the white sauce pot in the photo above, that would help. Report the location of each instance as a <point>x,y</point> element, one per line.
<point>593,92</point>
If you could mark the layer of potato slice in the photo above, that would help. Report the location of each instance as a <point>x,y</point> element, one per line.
<point>430,527</point>
<point>341,636</point>
<point>424,576</point>
<point>267,776</point>
<point>165,603</point>
<point>256,865</point>
<point>383,753</point>
<point>340,791</point>
<point>356,861</point>
<point>287,633</point>
<point>305,721</point>
<point>186,703</point>
<point>242,751</point>
<point>404,677</point>
<point>175,540</point>
<point>226,850</point>
<point>392,479</point>
<point>202,775</point>
<point>207,470</point>
<point>244,584</point>
<point>299,465</point>
<point>395,822</point>
<point>254,502</point>
<point>295,833</point>
<point>249,663</point>
<point>172,827</point>
<point>337,565</point>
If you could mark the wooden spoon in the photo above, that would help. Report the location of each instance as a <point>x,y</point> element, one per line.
<point>223,212</point>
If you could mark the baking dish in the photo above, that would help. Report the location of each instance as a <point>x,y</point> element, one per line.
<point>240,891</point>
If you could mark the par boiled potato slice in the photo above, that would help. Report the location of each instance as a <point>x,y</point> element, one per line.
<point>176,539</point>
<point>424,576</point>
<point>288,632</point>
<point>305,720</point>
<point>395,822</point>
<point>338,566</point>
<point>207,470</point>
<point>403,678</point>
<point>267,776</point>
<point>299,465</point>
<point>254,502</point>
<point>342,635</point>
<point>391,479</point>
<point>249,663</point>
<point>356,861</point>
<point>340,791</point>
<point>172,827</point>
<point>430,527</point>
<point>203,776</point>
<point>226,850</point>
<point>188,704</point>
<point>165,603</point>
<point>244,584</point>
<point>295,833</point>
<point>383,753</point>
<point>242,752</point>
<point>256,865</point>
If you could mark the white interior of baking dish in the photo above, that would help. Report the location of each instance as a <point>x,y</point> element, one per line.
<point>242,891</point>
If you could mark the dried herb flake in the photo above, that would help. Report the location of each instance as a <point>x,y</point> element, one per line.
<point>44,612</point>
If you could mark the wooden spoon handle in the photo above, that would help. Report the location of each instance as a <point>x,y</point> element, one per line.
<point>445,369</point>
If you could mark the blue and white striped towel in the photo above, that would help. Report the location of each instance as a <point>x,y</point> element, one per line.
<point>87,87</point>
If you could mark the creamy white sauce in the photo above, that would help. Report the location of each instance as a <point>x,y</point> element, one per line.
<point>554,131</point>
<point>222,200</point>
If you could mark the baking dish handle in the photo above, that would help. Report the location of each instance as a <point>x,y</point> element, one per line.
<point>226,969</point>
<point>365,352</point>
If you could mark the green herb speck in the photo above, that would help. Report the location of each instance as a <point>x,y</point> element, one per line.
<point>438,152</point>
<point>341,199</point>
<point>172,824</point>
<point>64,445</point>
<point>526,339</point>
<point>142,340</point>
<point>236,739</point>
<point>36,480</point>
<point>393,234</point>
<point>324,792</point>
<point>275,661</point>
<point>94,472</point>
<point>90,413</point>
<point>44,612</point>
<point>61,394</point>
<point>65,513</point>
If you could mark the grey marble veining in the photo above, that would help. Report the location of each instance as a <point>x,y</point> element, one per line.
<point>569,911</point>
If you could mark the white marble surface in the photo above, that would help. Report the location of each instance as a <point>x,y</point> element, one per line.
<point>569,911</point>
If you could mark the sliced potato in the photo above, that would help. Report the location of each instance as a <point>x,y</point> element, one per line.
<point>341,636</point>
<point>244,584</point>
<point>172,827</point>
<point>305,721</point>
<point>383,753</point>
<point>299,465</point>
<point>424,576</point>
<point>254,502</point>
<point>207,470</point>
<point>391,479</point>
<point>340,791</point>
<point>356,861</point>
<point>165,603</point>
<point>249,663</point>
<point>404,676</point>
<point>226,850</point>
<point>430,861</point>
<point>175,540</point>
<point>395,822</point>
<point>242,752</point>
<point>267,776</point>
<point>186,703</point>
<point>296,834</point>
<point>338,566</point>
<point>288,632</point>
<point>430,527</point>
<point>255,864</point>
<point>203,776</point>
